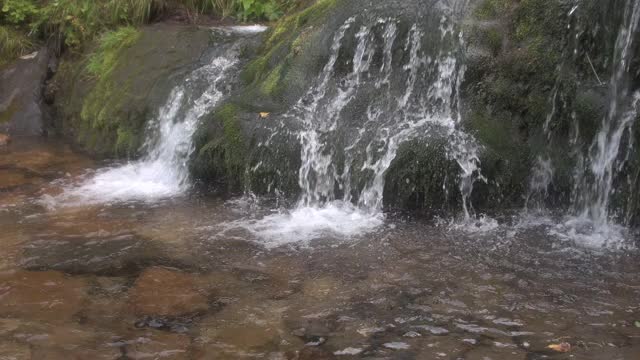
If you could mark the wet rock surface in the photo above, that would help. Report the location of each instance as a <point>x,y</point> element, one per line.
<point>22,108</point>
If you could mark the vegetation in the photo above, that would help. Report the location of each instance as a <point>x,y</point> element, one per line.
<point>13,44</point>
<point>103,61</point>
<point>74,23</point>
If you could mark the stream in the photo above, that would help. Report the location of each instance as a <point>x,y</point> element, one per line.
<point>305,256</point>
<point>188,278</point>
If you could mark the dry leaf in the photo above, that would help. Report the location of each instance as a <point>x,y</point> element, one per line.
<point>264,115</point>
<point>562,347</point>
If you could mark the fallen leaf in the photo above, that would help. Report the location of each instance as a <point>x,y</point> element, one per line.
<point>637,323</point>
<point>264,115</point>
<point>562,347</point>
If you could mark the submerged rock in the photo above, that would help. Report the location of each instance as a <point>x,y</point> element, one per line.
<point>4,140</point>
<point>166,292</point>
<point>159,345</point>
<point>104,253</point>
<point>14,351</point>
<point>47,295</point>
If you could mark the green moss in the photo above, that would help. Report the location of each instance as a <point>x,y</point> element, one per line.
<point>422,178</point>
<point>494,40</point>
<point>490,9</point>
<point>111,44</point>
<point>7,115</point>
<point>223,156</point>
<point>235,150</point>
<point>127,142</point>
<point>288,25</point>
<point>103,125</point>
<point>270,86</point>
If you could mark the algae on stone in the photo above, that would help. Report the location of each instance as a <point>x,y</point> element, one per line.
<point>104,101</point>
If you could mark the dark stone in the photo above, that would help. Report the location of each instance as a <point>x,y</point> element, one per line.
<point>23,111</point>
<point>108,255</point>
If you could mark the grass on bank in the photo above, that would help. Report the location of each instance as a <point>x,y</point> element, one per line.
<point>13,44</point>
<point>74,23</point>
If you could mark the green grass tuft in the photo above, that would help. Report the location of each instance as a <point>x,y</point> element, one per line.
<point>13,44</point>
<point>102,61</point>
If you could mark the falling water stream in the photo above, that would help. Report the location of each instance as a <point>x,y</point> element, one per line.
<point>596,171</point>
<point>162,172</point>
<point>423,104</point>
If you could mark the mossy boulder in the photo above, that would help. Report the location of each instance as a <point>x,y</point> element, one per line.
<point>537,87</point>
<point>515,48</point>
<point>246,142</point>
<point>103,101</point>
<point>422,178</point>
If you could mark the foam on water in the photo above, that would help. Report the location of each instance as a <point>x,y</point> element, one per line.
<point>336,220</point>
<point>248,29</point>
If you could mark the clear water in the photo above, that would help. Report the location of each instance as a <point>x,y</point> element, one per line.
<point>169,279</point>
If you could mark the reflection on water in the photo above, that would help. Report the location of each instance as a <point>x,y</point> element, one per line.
<point>171,280</point>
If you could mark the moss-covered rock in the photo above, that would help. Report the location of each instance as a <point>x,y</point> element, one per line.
<point>237,148</point>
<point>516,76</point>
<point>422,178</point>
<point>104,101</point>
<point>537,86</point>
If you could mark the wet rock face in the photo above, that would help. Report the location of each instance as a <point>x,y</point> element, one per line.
<point>277,83</point>
<point>22,108</point>
<point>165,292</point>
<point>107,116</point>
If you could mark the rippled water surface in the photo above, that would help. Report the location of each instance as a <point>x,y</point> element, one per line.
<point>179,279</point>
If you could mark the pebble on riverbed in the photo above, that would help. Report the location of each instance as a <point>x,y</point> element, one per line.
<point>4,140</point>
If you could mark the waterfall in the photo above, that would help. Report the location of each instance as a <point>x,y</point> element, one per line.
<point>601,166</point>
<point>606,155</point>
<point>399,113</point>
<point>541,178</point>
<point>396,84</point>
<point>162,172</point>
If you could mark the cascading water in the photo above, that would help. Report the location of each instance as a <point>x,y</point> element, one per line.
<point>397,84</point>
<point>162,172</point>
<point>596,171</point>
<point>541,178</point>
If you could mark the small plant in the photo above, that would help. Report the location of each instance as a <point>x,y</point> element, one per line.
<point>18,11</point>
<point>12,45</point>
<point>258,9</point>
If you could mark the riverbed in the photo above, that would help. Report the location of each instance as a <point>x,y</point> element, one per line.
<point>181,278</point>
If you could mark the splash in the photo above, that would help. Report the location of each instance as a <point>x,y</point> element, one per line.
<point>346,153</point>
<point>336,219</point>
<point>162,172</point>
<point>598,170</point>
